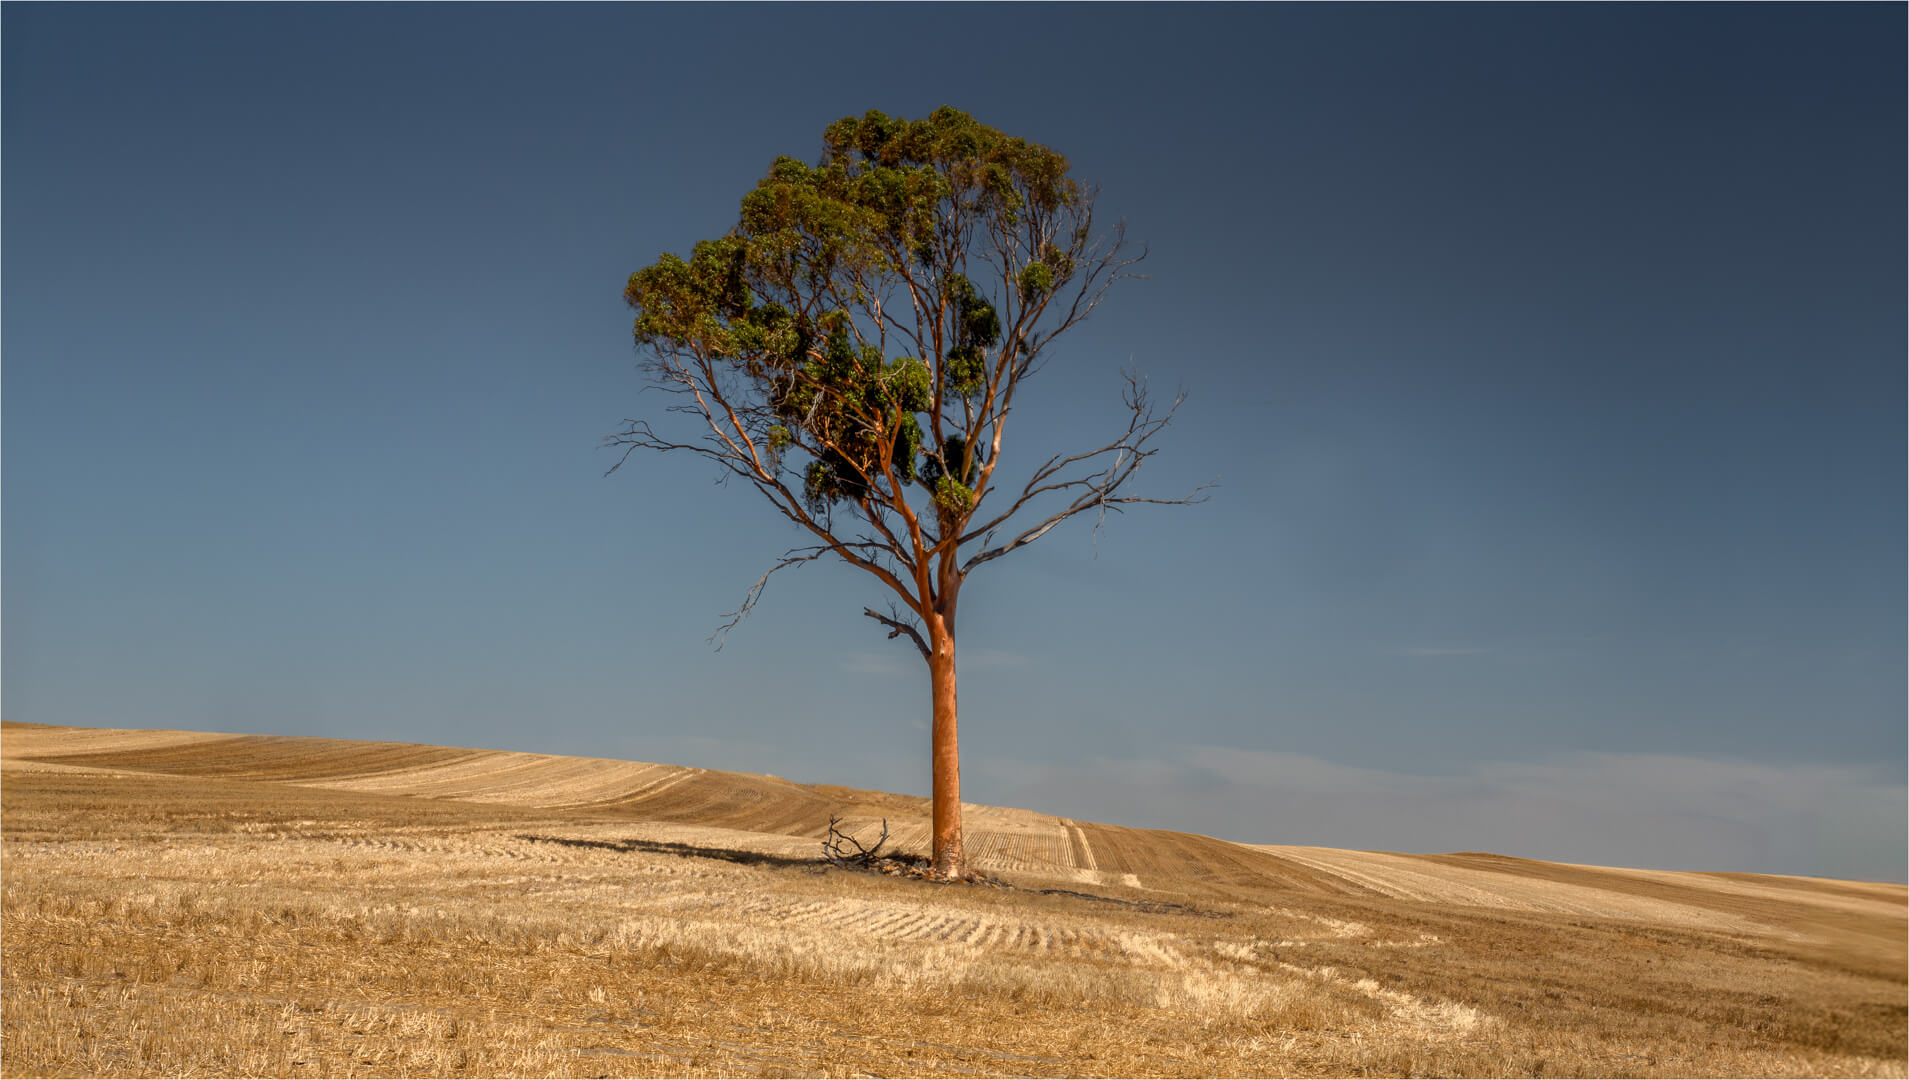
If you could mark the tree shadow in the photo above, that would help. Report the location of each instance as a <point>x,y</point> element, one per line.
<point>688,851</point>
<point>758,858</point>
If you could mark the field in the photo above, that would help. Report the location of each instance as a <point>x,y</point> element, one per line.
<point>188,904</point>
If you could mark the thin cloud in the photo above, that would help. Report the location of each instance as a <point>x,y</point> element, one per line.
<point>1645,810</point>
<point>1428,650</point>
<point>991,659</point>
<point>872,663</point>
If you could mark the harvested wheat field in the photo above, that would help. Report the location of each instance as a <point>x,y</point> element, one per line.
<point>185,904</point>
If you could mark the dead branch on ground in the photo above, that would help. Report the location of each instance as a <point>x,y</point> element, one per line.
<point>836,849</point>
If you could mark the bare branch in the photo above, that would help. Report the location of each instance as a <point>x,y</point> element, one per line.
<point>836,847</point>
<point>721,636</point>
<point>898,628</point>
<point>792,557</point>
<point>1101,489</point>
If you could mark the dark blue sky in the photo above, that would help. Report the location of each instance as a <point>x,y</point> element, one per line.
<point>1551,360</point>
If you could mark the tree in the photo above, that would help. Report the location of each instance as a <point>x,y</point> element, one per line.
<point>853,347</point>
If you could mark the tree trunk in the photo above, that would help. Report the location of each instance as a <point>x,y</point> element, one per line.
<point>946,752</point>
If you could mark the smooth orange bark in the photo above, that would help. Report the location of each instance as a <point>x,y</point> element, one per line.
<point>945,748</point>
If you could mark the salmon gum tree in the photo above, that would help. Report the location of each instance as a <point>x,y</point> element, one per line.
<point>852,350</point>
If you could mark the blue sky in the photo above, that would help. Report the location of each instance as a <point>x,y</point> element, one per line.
<point>1551,360</point>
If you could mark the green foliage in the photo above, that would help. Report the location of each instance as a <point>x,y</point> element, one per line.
<point>976,328</point>
<point>978,162</point>
<point>908,386</point>
<point>776,302</point>
<point>953,496</point>
<point>1035,281</point>
<point>691,301</point>
<point>907,446</point>
<point>821,485</point>
<point>951,462</point>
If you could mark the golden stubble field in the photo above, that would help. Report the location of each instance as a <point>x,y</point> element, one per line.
<point>188,904</point>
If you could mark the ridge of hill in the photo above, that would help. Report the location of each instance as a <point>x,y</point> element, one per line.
<point>783,817</point>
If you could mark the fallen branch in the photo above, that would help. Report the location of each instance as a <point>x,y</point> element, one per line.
<point>835,849</point>
<point>843,850</point>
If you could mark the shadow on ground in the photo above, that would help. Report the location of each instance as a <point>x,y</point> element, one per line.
<point>758,858</point>
<point>687,851</point>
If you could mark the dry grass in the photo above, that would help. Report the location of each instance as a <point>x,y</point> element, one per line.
<point>212,906</point>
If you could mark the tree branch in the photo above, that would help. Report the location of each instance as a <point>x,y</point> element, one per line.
<point>1103,487</point>
<point>898,628</point>
<point>792,557</point>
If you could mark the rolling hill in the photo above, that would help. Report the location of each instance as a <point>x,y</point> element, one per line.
<point>562,876</point>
